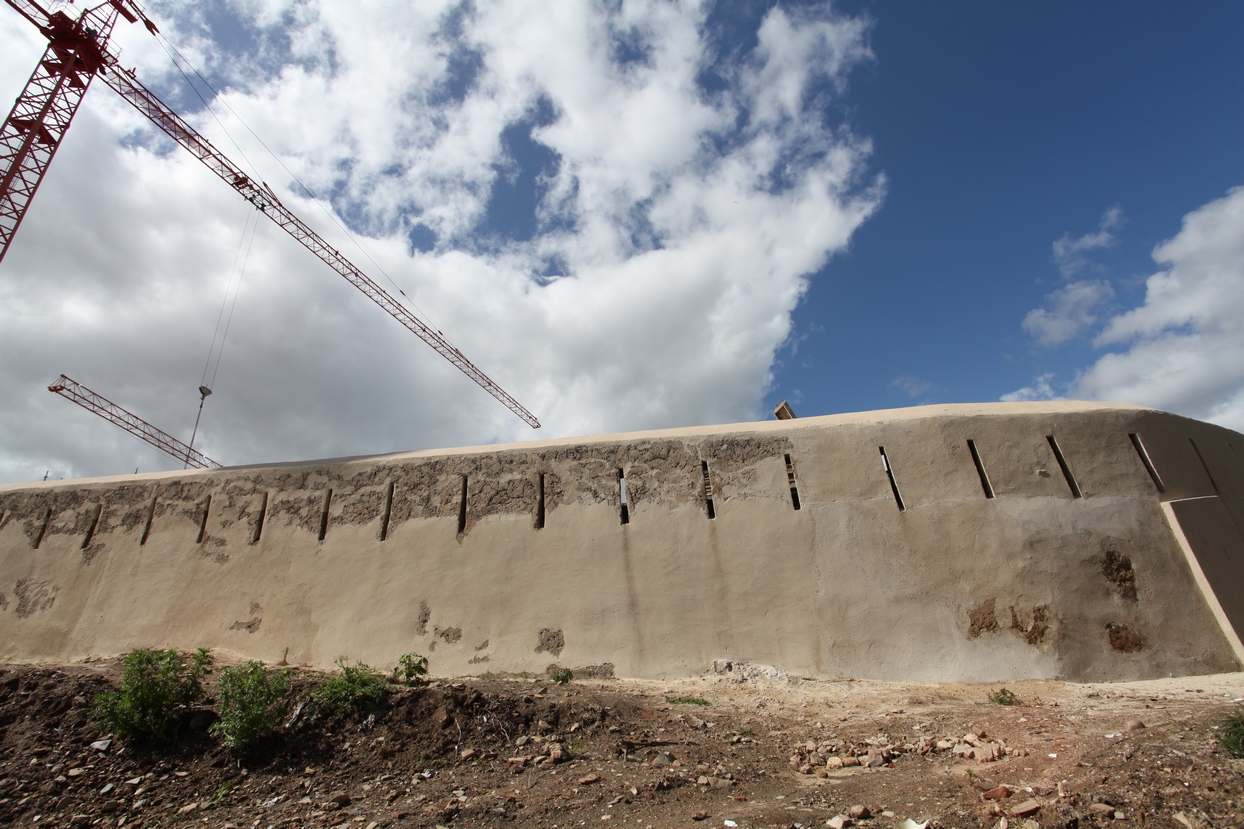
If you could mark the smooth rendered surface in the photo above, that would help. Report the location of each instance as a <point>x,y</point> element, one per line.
<point>1083,575</point>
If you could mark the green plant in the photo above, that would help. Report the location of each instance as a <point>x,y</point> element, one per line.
<point>157,688</point>
<point>686,701</point>
<point>357,688</point>
<point>250,702</point>
<point>411,669</point>
<point>563,676</point>
<point>1231,735</point>
<point>224,789</point>
<point>1003,697</point>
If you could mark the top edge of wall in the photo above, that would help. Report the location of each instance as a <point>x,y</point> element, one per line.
<point>875,417</point>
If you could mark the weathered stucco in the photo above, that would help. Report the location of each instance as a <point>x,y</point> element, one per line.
<point>1112,573</point>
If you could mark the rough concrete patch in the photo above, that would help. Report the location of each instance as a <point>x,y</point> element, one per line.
<point>1117,568</point>
<point>983,619</point>
<point>1123,639</point>
<point>251,625</point>
<point>425,613</point>
<point>91,550</point>
<point>482,645</point>
<point>360,508</point>
<point>34,597</point>
<point>478,660</point>
<point>4,602</point>
<point>213,548</point>
<point>551,641</point>
<point>450,635</point>
<point>1034,633</point>
<point>602,671</point>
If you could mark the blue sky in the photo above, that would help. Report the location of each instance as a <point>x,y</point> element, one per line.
<point>633,215</point>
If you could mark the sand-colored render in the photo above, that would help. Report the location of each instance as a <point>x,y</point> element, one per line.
<point>946,543</point>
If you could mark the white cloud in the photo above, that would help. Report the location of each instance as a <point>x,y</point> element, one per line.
<point>1068,312</point>
<point>1042,388</point>
<point>686,240</point>
<point>1070,254</point>
<point>1183,349</point>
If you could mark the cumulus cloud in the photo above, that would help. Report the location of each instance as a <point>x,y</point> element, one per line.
<point>1068,312</point>
<point>1042,388</point>
<point>1071,253</point>
<point>1183,349</point>
<point>671,227</point>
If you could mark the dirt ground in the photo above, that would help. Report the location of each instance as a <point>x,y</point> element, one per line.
<point>766,750</point>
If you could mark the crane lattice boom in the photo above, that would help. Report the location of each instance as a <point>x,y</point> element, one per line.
<point>130,422</point>
<point>77,51</point>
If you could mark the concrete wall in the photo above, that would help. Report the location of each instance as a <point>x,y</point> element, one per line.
<point>516,558</point>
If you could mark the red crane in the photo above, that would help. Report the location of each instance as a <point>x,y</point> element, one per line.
<point>130,422</point>
<point>77,51</point>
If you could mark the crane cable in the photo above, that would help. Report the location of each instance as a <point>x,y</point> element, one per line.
<point>172,51</point>
<point>233,286</point>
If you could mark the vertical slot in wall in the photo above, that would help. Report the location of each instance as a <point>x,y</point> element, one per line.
<point>1062,464</point>
<point>328,500</point>
<point>1204,465</point>
<point>207,508</point>
<point>889,473</point>
<point>259,519</point>
<point>624,509</point>
<point>1139,446</point>
<point>790,479</point>
<point>142,540</point>
<point>980,468</point>
<point>708,490</point>
<point>540,502</point>
<point>47,519</point>
<point>388,510</point>
<point>462,508</point>
<point>90,531</point>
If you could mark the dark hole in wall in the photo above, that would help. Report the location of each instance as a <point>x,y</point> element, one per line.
<point>207,508</point>
<point>540,503</point>
<point>47,519</point>
<point>624,509</point>
<point>1139,446</point>
<point>462,507</point>
<point>328,500</point>
<point>1072,484</point>
<point>90,531</point>
<point>708,490</point>
<point>151,508</point>
<point>388,511</point>
<point>889,473</point>
<point>980,469</point>
<point>790,479</point>
<point>259,519</point>
<point>1204,465</point>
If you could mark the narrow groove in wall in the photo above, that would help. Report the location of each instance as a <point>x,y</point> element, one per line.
<point>90,531</point>
<point>328,500</point>
<point>624,509</point>
<point>388,510</point>
<point>1139,446</point>
<point>47,519</point>
<point>142,541</point>
<point>540,503</point>
<point>790,479</point>
<point>263,514</point>
<point>708,490</point>
<point>980,468</point>
<point>207,508</point>
<point>462,508</point>
<point>1204,465</point>
<point>889,473</point>
<point>3,515</point>
<point>1062,464</point>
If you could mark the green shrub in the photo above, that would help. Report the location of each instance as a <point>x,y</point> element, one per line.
<point>1003,697</point>
<point>411,669</point>
<point>1231,735</point>
<point>250,702</point>
<point>157,689</point>
<point>686,701</point>
<point>357,688</point>
<point>563,676</point>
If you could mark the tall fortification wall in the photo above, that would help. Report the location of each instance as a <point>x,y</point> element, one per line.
<point>939,543</point>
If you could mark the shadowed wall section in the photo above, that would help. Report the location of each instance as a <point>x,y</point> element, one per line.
<point>973,542</point>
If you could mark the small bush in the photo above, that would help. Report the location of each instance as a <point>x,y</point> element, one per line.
<point>686,701</point>
<point>1003,697</point>
<point>1231,735</point>
<point>357,688</point>
<point>411,669</point>
<point>157,688</point>
<point>563,676</point>
<point>250,702</point>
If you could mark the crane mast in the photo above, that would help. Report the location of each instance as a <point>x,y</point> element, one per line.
<point>77,51</point>
<point>98,404</point>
